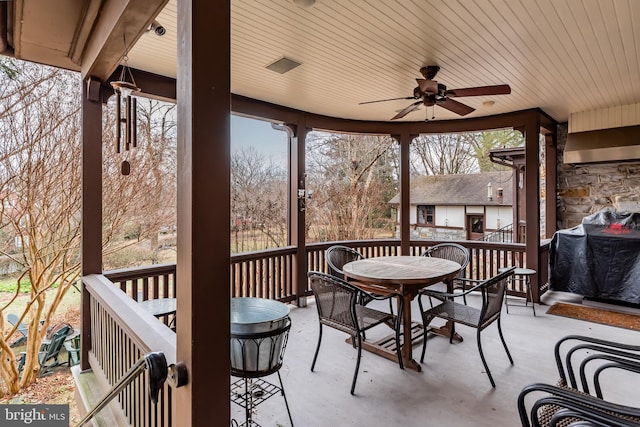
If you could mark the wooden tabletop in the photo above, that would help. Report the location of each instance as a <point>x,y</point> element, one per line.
<point>401,270</point>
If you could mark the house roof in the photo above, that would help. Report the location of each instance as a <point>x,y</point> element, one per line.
<point>461,189</point>
<point>563,56</point>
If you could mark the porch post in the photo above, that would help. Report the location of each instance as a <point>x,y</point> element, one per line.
<point>532,197</point>
<point>551,192</point>
<point>297,217</point>
<point>203,290</point>
<point>91,202</point>
<point>405,233</point>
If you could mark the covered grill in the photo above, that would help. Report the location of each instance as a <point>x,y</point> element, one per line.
<point>600,258</point>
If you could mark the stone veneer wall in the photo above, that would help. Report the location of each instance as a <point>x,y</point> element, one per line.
<point>584,189</point>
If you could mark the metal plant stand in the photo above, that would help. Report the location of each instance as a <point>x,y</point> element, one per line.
<point>254,356</point>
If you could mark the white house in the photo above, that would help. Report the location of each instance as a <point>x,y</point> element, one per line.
<point>459,207</point>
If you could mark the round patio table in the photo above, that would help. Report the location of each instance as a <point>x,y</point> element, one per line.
<point>159,307</point>
<point>407,275</point>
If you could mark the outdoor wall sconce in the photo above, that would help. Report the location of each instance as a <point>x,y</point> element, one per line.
<point>124,90</point>
<point>489,192</point>
<point>303,195</point>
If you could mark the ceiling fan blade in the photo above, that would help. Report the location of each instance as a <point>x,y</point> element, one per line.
<point>409,109</point>
<point>384,100</point>
<point>427,86</point>
<point>429,72</point>
<point>480,91</point>
<point>455,106</point>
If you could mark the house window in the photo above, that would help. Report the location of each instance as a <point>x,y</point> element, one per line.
<point>426,214</point>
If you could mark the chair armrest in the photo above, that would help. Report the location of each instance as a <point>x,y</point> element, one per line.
<point>612,362</point>
<point>592,407</point>
<point>447,295</point>
<point>379,296</point>
<point>593,346</point>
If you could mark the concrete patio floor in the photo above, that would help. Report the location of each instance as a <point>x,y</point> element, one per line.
<point>452,389</point>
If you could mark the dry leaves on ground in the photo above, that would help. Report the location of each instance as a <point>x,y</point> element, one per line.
<point>57,388</point>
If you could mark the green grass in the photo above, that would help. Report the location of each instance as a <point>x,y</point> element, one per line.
<point>8,284</point>
<point>70,300</point>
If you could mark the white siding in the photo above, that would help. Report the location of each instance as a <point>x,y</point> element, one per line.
<point>475,209</point>
<point>450,216</point>
<point>605,118</point>
<point>498,217</point>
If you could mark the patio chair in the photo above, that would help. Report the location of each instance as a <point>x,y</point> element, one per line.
<point>22,330</point>
<point>492,291</point>
<point>338,308</point>
<point>337,256</point>
<point>452,252</point>
<point>569,402</point>
<point>50,351</point>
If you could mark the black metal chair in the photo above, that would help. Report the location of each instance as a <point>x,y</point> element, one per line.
<point>338,308</point>
<point>337,256</point>
<point>568,403</point>
<point>492,291</point>
<point>452,252</point>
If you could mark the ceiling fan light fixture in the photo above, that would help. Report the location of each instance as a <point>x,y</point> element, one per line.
<point>489,103</point>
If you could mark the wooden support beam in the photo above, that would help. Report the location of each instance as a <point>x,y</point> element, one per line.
<point>118,20</point>
<point>91,242</point>
<point>203,267</point>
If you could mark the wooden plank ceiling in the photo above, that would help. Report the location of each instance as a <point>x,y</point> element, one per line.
<point>563,56</point>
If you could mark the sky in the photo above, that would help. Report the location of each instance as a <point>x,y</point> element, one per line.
<point>246,132</point>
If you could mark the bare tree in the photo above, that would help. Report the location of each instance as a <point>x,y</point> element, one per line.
<point>139,205</point>
<point>259,195</point>
<point>40,217</point>
<point>40,182</point>
<point>486,141</point>
<point>442,154</point>
<point>353,177</point>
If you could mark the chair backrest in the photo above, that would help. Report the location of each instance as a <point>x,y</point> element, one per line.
<point>337,256</point>
<point>493,291</point>
<point>452,252</point>
<point>335,301</point>
<point>14,320</point>
<point>57,340</point>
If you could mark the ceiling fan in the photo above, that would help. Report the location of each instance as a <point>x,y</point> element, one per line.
<point>429,92</point>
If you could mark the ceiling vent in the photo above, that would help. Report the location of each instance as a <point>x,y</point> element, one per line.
<point>283,65</point>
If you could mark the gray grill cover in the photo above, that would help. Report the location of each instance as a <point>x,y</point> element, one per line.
<point>599,258</point>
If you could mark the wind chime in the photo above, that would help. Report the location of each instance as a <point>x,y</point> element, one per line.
<point>124,91</point>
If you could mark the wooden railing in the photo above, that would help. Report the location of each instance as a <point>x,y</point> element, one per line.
<point>264,274</point>
<point>121,337</point>
<point>486,257</point>
<point>143,283</point>
<point>269,274</point>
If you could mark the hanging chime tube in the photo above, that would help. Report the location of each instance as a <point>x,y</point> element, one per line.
<point>118,123</point>
<point>127,143</point>
<point>134,122</point>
